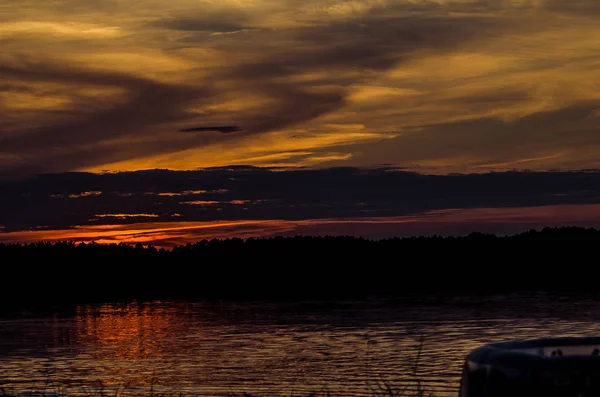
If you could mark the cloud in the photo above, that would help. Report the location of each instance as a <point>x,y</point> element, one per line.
<point>206,23</point>
<point>225,129</point>
<point>243,193</point>
<point>274,149</point>
<point>542,141</point>
<point>72,29</point>
<point>91,136</point>
<point>106,84</point>
<point>137,120</point>
<point>338,55</point>
<point>589,8</point>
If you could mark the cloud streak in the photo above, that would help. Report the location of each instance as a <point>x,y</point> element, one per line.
<point>91,137</point>
<point>226,129</point>
<point>250,194</point>
<point>434,85</point>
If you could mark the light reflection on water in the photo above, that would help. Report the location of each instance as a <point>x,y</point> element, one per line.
<point>269,349</point>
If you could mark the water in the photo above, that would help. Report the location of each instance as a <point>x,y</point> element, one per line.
<point>350,348</point>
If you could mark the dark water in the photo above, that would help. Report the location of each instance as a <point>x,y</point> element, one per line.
<point>350,348</point>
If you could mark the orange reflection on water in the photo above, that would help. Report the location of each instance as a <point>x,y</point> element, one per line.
<point>124,332</point>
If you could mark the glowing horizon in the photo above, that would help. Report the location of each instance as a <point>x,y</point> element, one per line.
<point>442,222</point>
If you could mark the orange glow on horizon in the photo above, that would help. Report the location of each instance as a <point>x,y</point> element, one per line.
<point>445,222</point>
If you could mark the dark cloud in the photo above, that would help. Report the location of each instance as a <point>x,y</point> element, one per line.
<point>225,129</point>
<point>581,7</point>
<point>571,128</point>
<point>590,8</point>
<point>90,139</point>
<point>368,44</point>
<point>347,52</point>
<point>206,23</point>
<point>238,193</point>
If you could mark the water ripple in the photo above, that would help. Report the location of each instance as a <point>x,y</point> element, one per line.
<point>348,349</point>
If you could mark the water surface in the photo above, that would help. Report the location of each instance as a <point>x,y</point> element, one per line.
<point>345,348</point>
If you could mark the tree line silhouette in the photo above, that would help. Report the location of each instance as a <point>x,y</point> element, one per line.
<point>282,268</point>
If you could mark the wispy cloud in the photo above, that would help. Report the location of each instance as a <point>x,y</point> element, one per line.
<point>72,29</point>
<point>435,84</point>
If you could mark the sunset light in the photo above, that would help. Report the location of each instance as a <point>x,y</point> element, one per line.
<point>308,198</point>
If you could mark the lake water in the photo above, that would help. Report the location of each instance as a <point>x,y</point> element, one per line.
<point>343,348</point>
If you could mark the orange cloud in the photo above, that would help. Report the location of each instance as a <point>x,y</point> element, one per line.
<point>135,85</point>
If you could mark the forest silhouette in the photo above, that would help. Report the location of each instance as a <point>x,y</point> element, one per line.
<point>300,268</point>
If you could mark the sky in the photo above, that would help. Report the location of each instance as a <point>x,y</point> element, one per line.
<point>438,87</point>
<point>167,208</point>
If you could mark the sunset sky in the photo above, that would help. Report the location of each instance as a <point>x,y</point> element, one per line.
<point>440,87</point>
